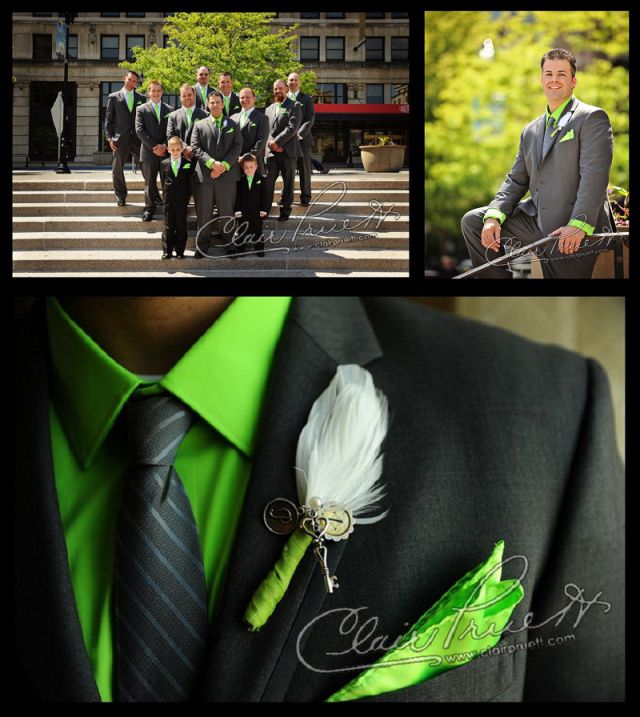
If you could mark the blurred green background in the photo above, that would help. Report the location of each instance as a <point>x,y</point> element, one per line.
<point>482,86</point>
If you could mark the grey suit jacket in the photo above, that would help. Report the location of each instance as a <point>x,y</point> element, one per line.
<point>254,133</point>
<point>570,180</point>
<point>284,123</point>
<point>118,120</point>
<point>527,456</point>
<point>225,145</point>
<point>177,123</point>
<point>308,118</point>
<point>149,130</point>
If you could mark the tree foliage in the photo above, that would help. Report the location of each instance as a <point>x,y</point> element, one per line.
<point>242,43</point>
<point>476,107</point>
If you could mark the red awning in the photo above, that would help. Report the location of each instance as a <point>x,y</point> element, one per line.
<point>361,109</point>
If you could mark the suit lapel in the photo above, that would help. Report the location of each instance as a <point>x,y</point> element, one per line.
<point>244,666</point>
<point>569,108</point>
<point>47,621</point>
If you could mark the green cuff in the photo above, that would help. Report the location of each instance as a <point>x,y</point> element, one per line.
<point>226,165</point>
<point>586,228</point>
<point>493,213</point>
<point>209,163</point>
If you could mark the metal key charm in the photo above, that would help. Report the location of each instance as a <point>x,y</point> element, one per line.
<point>330,581</point>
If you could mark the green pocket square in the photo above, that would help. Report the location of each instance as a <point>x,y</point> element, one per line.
<point>186,166</point>
<point>568,136</point>
<point>229,131</point>
<point>467,620</point>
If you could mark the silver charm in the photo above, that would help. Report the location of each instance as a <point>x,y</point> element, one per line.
<point>281,516</point>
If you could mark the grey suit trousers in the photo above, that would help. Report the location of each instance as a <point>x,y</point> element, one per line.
<point>150,170</point>
<point>127,145</point>
<point>210,194</point>
<point>277,164</point>
<point>521,229</point>
<point>304,169</point>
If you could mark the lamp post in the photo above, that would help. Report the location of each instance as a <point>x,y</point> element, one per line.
<point>62,167</point>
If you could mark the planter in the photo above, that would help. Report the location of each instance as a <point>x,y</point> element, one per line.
<point>382,157</point>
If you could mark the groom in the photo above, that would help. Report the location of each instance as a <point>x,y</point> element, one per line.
<point>563,160</point>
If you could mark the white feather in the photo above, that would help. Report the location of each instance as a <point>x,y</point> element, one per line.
<point>338,457</point>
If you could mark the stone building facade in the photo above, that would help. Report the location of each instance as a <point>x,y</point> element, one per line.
<point>358,58</point>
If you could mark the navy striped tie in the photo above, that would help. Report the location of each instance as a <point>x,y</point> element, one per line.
<point>160,595</point>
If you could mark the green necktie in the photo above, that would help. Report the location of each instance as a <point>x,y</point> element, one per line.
<point>189,117</point>
<point>156,109</point>
<point>203,93</point>
<point>226,104</point>
<point>130,101</point>
<point>249,180</point>
<point>175,167</point>
<point>243,119</point>
<point>293,96</point>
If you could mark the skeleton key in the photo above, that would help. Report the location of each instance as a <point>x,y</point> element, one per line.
<point>330,581</point>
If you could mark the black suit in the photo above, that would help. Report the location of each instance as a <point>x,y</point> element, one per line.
<point>251,202</point>
<point>306,144</point>
<point>254,135</point>
<point>177,124</point>
<point>234,105</point>
<point>284,123</point>
<point>524,452</point>
<point>151,132</point>
<point>196,89</point>
<point>177,190</point>
<point>121,123</point>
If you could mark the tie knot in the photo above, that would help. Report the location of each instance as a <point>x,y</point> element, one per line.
<point>156,426</point>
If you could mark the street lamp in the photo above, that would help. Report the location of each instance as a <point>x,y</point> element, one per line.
<point>62,167</point>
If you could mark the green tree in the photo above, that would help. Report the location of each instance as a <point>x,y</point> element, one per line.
<point>478,102</point>
<point>242,43</point>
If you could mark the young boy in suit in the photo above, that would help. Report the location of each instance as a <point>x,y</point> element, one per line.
<point>252,205</point>
<point>177,190</point>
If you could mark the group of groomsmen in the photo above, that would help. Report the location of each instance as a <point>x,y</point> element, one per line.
<point>217,128</point>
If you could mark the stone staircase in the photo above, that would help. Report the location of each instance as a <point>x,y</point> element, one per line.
<point>70,225</point>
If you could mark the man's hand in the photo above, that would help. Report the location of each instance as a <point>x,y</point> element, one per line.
<point>187,153</point>
<point>160,150</point>
<point>570,238</point>
<point>275,147</point>
<point>491,234</point>
<point>263,215</point>
<point>217,169</point>
<point>113,145</point>
<point>237,215</point>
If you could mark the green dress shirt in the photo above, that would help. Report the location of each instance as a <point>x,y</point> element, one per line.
<point>223,379</point>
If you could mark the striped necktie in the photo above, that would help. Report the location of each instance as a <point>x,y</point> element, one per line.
<point>548,133</point>
<point>160,594</point>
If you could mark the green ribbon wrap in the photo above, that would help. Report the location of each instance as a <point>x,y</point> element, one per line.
<point>437,641</point>
<point>272,589</point>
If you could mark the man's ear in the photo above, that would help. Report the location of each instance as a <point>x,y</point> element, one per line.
<point>574,81</point>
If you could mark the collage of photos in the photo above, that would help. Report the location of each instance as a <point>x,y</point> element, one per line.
<point>235,484</point>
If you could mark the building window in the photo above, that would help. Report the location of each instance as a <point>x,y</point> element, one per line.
<point>309,49</point>
<point>374,49</point>
<point>375,94</point>
<point>42,47</point>
<point>400,48</point>
<point>72,47</point>
<point>335,48</point>
<point>375,16</point>
<point>109,14</point>
<point>109,47</point>
<point>136,14</point>
<point>134,41</point>
<point>399,15</point>
<point>335,16</point>
<point>331,94</point>
<point>309,15</point>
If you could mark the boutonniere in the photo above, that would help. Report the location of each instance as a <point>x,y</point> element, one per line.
<point>570,135</point>
<point>224,123</point>
<point>562,123</point>
<point>338,466</point>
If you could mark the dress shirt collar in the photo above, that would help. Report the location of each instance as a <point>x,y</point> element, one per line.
<point>557,113</point>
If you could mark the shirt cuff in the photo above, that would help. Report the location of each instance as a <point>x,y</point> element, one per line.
<point>586,228</point>
<point>226,165</point>
<point>209,163</point>
<point>493,213</point>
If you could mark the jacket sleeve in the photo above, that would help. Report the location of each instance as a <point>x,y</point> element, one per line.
<point>515,185</point>
<point>198,150</point>
<point>141,131</point>
<point>291,129</point>
<point>261,136</point>
<point>587,551</point>
<point>596,155</point>
<point>109,118</point>
<point>171,126</point>
<point>308,117</point>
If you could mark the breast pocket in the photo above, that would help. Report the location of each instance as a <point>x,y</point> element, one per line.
<point>488,678</point>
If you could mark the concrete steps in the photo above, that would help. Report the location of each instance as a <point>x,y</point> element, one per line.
<point>70,225</point>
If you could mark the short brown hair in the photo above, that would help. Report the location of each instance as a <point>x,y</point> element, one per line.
<point>248,157</point>
<point>559,54</point>
<point>155,82</point>
<point>175,138</point>
<point>186,86</point>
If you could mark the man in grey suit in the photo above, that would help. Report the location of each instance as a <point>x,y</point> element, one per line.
<point>202,88</point>
<point>120,130</point>
<point>283,145</point>
<point>304,135</point>
<point>216,144</point>
<point>563,160</point>
<point>231,102</point>
<point>254,126</point>
<point>151,128</point>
